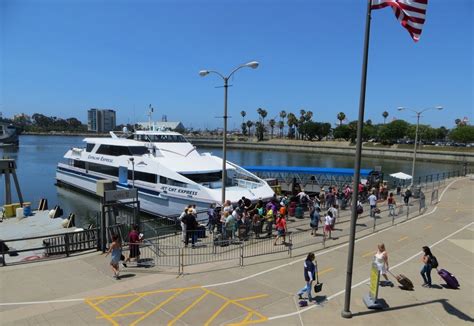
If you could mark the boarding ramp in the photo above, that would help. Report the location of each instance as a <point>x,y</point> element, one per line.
<point>312,179</point>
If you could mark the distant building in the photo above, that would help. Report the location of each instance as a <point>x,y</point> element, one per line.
<point>174,126</point>
<point>101,120</point>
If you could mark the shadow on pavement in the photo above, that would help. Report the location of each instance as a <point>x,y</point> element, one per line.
<point>127,275</point>
<point>449,308</point>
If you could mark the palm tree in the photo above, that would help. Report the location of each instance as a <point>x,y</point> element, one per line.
<point>281,125</point>
<point>249,125</point>
<point>341,116</point>
<point>282,117</point>
<point>308,115</point>
<point>291,121</point>
<point>457,121</point>
<point>384,115</point>
<point>264,114</point>
<point>272,124</point>
<point>302,113</point>
<point>243,114</point>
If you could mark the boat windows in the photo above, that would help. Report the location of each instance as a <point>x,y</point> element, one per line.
<point>138,150</point>
<point>89,147</point>
<point>160,138</point>
<point>172,182</point>
<point>105,169</point>
<point>122,150</point>
<point>204,177</point>
<point>1,130</point>
<point>142,176</point>
<point>79,164</point>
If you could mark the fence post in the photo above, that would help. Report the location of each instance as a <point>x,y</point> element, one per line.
<point>241,255</point>
<point>375,222</point>
<point>290,246</point>
<point>181,261</point>
<point>66,244</point>
<point>408,210</point>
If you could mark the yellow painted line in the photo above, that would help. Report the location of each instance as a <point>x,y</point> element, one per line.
<point>124,315</point>
<point>324,271</point>
<point>149,313</point>
<point>210,320</point>
<point>102,313</point>
<point>247,318</point>
<point>118,296</point>
<point>370,253</point>
<point>125,306</point>
<point>402,238</point>
<point>250,298</point>
<point>185,311</point>
<point>239,305</point>
<point>446,219</point>
<point>428,227</point>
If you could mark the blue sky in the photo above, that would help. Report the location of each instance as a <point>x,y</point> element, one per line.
<point>62,57</point>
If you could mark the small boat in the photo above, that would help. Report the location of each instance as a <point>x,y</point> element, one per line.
<point>8,135</point>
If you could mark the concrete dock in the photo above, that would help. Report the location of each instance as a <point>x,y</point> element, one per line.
<point>80,290</point>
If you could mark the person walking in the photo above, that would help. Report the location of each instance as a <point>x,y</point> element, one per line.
<point>406,196</point>
<point>191,227</point>
<point>315,219</point>
<point>134,240</point>
<point>183,225</point>
<point>381,260</point>
<point>115,249</point>
<point>310,270</point>
<point>373,203</point>
<point>211,214</point>
<point>269,221</point>
<point>391,205</point>
<point>328,221</point>
<point>427,266</point>
<point>281,229</point>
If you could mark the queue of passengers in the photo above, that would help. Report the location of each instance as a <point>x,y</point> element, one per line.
<point>239,221</point>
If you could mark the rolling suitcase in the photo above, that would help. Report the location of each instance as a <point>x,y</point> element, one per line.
<point>403,281</point>
<point>449,278</point>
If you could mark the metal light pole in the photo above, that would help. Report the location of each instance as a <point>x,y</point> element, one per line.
<point>202,73</point>
<point>418,114</point>
<point>132,160</point>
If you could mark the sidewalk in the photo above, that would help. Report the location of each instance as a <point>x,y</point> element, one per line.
<point>80,290</point>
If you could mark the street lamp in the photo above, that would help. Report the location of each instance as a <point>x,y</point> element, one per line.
<point>203,73</point>
<point>418,114</point>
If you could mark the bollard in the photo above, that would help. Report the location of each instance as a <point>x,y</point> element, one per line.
<point>408,211</point>
<point>241,255</point>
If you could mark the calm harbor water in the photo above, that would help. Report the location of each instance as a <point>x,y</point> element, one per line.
<point>37,157</point>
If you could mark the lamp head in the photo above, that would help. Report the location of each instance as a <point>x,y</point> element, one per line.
<point>400,108</point>
<point>439,107</point>
<point>203,73</point>
<point>252,64</point>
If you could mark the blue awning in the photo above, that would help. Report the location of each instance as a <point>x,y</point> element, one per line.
<point>307,170</point>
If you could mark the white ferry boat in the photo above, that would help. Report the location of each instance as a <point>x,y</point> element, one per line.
<point>167,170</point>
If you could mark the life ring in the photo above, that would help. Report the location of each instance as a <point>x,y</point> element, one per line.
<point>30,258</point>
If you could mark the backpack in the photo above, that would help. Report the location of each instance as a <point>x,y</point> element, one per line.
<point>360,209</point>
<point>434,262</point>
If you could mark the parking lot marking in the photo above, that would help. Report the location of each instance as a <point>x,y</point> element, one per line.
<point>185,311</point>
<point>428,227</point>
<point>158,307</point>
<point>402,239</point>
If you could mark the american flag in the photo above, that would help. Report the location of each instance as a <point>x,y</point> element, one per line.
<point>410,13</point>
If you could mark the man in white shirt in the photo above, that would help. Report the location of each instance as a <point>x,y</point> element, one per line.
<point>372,203</point>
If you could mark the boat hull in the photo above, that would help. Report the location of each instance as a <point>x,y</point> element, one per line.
<point>151,201</point>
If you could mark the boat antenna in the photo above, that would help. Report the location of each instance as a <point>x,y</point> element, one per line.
<point>150,112</point>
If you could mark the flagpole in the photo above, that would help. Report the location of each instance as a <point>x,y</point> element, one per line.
<point>346,313</point>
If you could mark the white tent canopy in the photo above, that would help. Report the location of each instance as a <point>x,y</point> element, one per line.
<point>401,176</point>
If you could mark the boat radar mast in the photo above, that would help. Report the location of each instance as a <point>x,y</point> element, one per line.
<point>150,113</point>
